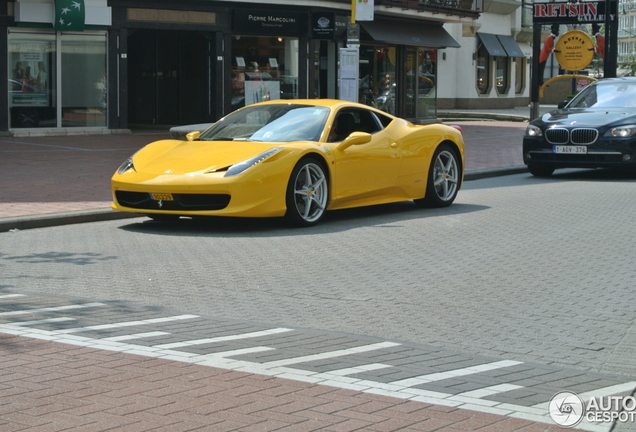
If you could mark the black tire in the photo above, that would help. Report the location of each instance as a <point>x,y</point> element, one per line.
<point>444,178</point>
<point>307,193</point>
<point>163,217</point>
<point>540,170</point>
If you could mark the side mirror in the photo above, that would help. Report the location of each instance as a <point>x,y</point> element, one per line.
<point>193,135</point>
<point>356,138</point>
<point>562,104</point>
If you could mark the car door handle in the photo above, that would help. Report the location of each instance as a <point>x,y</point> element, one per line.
<point>394,145</point>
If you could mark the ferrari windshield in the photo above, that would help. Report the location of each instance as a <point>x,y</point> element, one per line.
<point>613,94</point>
<point>282,122</point>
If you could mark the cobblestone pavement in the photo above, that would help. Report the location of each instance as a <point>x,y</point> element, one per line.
<point>77,364</point>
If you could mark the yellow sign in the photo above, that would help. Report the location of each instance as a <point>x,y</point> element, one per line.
<point>574,50</point>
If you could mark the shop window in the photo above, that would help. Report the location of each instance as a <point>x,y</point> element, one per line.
<point>83,80</point>
<point>32,83</point>
<point>377,86</point>
<point>520,75</point>
<point>483,70</point>
<point>502,68</point>
<point>36,69</point>
<point>263,68</point>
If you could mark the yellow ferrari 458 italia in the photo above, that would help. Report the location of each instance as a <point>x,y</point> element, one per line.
<point>294,159</point>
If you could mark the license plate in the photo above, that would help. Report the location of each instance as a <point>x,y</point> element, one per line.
<point>162,197</point>
<point>569,149</point>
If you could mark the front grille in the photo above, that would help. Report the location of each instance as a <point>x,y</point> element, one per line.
<point>583,136</point>
<point>557,136</point>
<point>578,136</point>
<point>181,202</point>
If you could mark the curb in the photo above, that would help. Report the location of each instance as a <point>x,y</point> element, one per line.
<point>66,218</point>
<point>98,215</point>
<point>459,116</point>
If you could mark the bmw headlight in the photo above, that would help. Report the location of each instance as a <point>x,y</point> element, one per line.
<point>126,166</point>
<point>238,168</point>
<point>621,132</point>
<point>533,131</point>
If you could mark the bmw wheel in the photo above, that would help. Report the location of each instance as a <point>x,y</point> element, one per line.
<point>307,193</point>
<point>540,170</point>
<point>444,178</point>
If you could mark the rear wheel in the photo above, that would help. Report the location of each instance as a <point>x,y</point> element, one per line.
<point>307,193</point>
<point>540,170</point>
<point>444,178</point>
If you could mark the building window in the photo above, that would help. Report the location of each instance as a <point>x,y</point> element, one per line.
<point>502,75</point>
<point>520,75</point>
<point>263,68</point>
<point>483,70</point>
<point>57,79</point>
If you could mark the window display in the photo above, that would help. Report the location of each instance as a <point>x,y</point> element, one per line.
<point>263,68</point>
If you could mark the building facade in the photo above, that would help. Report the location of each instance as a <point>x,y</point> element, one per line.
<point>491,69</point>
<point>106,66</point>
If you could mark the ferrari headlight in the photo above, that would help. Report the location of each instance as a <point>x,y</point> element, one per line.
<point>621,132</point>
<point>126,166</point>
<point>533,131</point>
<point>238,168</point>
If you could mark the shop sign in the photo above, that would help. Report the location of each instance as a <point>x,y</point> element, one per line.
<point>323,25</point>
<point>264,22</point>
<point>573,13</point>
<point>70,15</point>
<point>574,50</point>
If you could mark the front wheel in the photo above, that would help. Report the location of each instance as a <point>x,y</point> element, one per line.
<point>444,178</point>
<point>540,170</point>
<point>307,193</point>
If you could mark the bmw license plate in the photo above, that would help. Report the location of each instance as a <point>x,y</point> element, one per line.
<point>162,197</point>
<point>569,149</point>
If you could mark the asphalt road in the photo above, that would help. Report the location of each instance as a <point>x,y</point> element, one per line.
<point>518,268</point>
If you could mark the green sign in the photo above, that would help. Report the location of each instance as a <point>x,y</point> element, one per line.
<point>70,15</point>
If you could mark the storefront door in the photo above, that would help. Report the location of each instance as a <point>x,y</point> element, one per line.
<point>169,78</point>
<point>420,83</point>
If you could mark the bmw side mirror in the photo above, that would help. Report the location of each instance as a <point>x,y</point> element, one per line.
<point>562,104</point>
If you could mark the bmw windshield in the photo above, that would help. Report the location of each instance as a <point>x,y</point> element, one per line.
<point>615,94</point>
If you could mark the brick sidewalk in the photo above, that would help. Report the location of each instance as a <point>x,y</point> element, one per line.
<point>48,386</point>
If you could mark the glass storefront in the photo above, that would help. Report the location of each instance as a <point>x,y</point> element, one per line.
<point>57,79</point>
<point>263,68</point>
<point>377,86</point>
<point>381,87</point>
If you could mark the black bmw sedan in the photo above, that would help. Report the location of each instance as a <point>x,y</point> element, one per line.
<point>596,129</point>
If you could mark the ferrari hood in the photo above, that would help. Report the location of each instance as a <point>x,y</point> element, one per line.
<point>197,156</point>
<point>581,117</point>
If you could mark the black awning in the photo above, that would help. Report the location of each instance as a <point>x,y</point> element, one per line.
<point>492,44</point>
<point>408,33</point>
<point>510,45</point>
